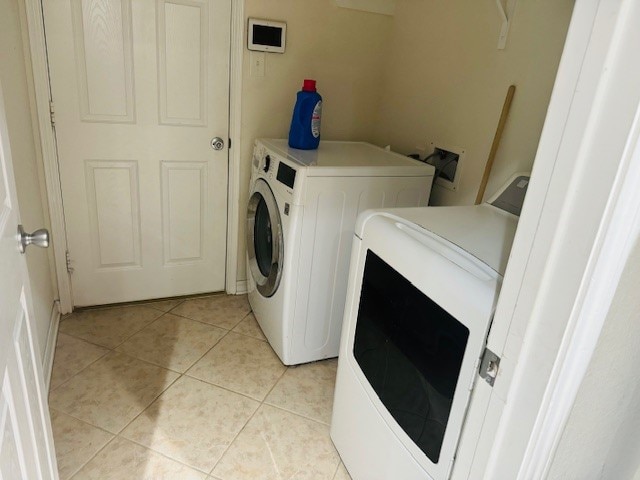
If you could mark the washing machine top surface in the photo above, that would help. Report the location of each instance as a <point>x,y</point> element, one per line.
<point>349,159</point>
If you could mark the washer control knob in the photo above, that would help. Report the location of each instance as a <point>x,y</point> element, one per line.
<point>267,163</point>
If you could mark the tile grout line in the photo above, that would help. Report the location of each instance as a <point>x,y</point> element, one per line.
<point>152,401</point>
<point>279,407</point>
<point>84,340</point>
<point>207,323</point>
<point>337,467</point>
<point>249,419</point>
<point>138,331</point>
<point>185,373</point>
<point>264,402</point>
<point>120,433</point>
<point>161,454</point>
<point>144,409</point>
<point>57,410</point>
<point>51,390</point>
<point>164,366</point>
<point>226,389</point>
<point>92,457</point>
<point>205,354</point>
<point>180,375</point>
<point>234,439</point>
<point>162,314</point>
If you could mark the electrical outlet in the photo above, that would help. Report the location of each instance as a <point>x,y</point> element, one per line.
<point>257,63</point>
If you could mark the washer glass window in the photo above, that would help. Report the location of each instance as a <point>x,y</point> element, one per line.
<point>264,239</point>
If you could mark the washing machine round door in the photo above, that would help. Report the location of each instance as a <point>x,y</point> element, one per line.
<point>265,243</point>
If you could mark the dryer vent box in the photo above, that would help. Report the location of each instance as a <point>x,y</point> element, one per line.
<point>448,163</point>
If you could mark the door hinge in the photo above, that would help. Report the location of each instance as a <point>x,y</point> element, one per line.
<point>68,257</point>
<point>229,144</point>
<point>52,113</point>
<point>489,366</point>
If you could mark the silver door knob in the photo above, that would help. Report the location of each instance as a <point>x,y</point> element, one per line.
<point>217,143</point>
<point>39,238</point>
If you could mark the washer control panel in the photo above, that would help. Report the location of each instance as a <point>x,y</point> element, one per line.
<point>263,161</point>
<point>268,165</point>
<point>286,175</point>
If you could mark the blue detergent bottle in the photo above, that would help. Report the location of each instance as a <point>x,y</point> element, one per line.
<point>305,124</point>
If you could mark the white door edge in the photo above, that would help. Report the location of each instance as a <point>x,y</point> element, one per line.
<point>235,127</point>
<point>38,51</point>
<point>50,347</point>
<point>620,229</point>
<point>615,239</point>
<point>39,65</point>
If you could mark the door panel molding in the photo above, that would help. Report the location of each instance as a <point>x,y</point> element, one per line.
<point>181,76</point>
<point>114,213</point>
<point>183,235</point>
<point>108,31</point>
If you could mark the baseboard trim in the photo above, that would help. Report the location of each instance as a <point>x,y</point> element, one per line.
<point>50,350</point>
<point>241,287</point>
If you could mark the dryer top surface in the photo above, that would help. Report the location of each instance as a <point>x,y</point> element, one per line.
<point>484,231</point>
<point>349,158</point>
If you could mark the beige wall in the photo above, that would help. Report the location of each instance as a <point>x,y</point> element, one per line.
<point>26,163</point>
<point>432,72</point>
<point>601,438</point>
<point>445,81</point>
<point>340,48</point>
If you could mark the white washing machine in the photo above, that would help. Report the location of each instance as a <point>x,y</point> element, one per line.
<point>423,287</point>
<point>301,215</point>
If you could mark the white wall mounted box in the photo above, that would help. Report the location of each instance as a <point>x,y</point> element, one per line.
<point>266,35</point>
<point>442,181</point>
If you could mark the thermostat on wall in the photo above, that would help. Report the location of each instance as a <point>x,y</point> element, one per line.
<point>266,35</point>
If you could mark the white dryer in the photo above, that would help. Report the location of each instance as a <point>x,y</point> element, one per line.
<point>301,215</point>
<point>423,287</point>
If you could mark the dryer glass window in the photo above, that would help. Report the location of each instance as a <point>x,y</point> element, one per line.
<point>410,350</point>
<point>263,240</point>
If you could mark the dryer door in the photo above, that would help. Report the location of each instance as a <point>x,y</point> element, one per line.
<point>265,245</point>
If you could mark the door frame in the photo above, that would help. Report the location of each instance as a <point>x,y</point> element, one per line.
<point>42,89</point>
<point>579,222</point>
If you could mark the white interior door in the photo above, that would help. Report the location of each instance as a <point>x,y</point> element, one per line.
<point>26,442</point>
<point>140,88</point>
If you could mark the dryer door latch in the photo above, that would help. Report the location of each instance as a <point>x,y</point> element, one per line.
<point>489,366</point>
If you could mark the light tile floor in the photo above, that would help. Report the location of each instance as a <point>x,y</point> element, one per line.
<point>182,389</point>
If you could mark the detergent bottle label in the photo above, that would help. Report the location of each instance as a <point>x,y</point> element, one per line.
<point>315,119</point>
